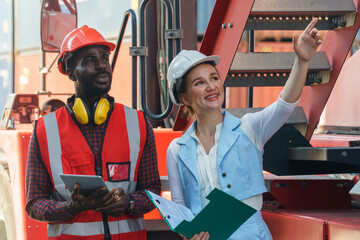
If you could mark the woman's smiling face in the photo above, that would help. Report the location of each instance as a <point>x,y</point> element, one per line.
<point>204,89</point>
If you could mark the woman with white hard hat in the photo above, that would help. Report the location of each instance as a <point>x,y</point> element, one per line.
<point>222,151</point>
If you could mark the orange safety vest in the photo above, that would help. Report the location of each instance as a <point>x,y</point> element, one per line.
<point>64,150</point>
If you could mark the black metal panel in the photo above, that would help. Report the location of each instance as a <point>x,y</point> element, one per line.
<point>273,69</point>
<point>276,156</point>
<point>296,15</point>
<point>259,80</point>
<point>274,23</point>
<point>253,80</point>
<point>345,155</point>
<point>309,6</point>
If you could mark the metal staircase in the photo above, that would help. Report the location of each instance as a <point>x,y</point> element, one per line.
<point>229,20</point>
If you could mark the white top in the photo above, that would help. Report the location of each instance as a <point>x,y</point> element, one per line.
<point>259,127</point>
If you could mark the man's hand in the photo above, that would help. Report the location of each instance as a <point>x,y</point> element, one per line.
<point>80,203</point>
<point>117,207</point>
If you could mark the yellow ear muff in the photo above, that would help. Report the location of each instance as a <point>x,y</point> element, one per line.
<point>101,110</point>
<point>81,111</point>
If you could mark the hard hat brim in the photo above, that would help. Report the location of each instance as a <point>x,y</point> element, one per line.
<point>212,58</point>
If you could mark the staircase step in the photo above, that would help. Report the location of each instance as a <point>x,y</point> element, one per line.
<point>345,155</point>
<point>273,69</point>
<point>296,14</point>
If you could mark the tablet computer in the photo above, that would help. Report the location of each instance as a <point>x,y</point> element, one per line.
<point>88,183</point>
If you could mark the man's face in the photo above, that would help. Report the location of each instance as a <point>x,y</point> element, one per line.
<point>91,71</point>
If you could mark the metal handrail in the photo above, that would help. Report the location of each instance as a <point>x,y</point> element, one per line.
<point>169,107</point>
<point>177,25</point>
<point>128,13</point>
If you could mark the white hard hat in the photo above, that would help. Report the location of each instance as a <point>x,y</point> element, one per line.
<point>181,64</point>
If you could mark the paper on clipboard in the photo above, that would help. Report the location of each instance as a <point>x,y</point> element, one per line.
<point>172,213</point>
<point>223,215</point>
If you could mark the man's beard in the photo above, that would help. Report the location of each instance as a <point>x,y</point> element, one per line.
<point>94,90</point>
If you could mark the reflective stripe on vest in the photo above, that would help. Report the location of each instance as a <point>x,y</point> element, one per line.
<point>129,187</point>
<point>54,146</point>
<point>134,137</point>
<point>96,228</point>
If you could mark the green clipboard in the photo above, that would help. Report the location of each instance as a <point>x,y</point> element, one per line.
<point>221,217</point>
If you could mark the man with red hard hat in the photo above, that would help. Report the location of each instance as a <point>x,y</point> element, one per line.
<point>91,135</point>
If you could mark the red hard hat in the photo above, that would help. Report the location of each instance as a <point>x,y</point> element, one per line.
<point>79,38</point>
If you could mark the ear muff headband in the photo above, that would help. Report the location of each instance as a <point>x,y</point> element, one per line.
<point>101,109</point>
<point>83,115</point>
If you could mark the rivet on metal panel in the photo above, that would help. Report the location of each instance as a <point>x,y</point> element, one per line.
<point>344,154</point>
<point>230,24</point>
<point>223,25</point>
<point>23,136</point>
<point>29,226</point>
<point>37,226</point>
<point>290,141</point>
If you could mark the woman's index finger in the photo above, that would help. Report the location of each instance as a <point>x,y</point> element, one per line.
<point>311,25</point>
